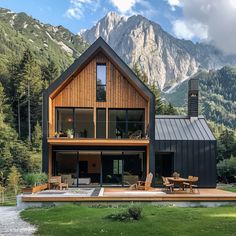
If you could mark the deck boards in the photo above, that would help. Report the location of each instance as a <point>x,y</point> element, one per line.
<point>120,195</point>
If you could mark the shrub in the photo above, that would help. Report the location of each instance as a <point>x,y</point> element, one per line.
<point>14,179</point>
<point>33,179</point>
<point>133,213</point>
<point>227,169</point>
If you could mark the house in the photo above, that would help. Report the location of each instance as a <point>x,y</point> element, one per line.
<point>100,128</point>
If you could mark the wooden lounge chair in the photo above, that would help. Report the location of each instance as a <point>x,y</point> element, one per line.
<point>168,186</point>
<point>143,185</point>
<point>192,184</point>
<point>55,181</point>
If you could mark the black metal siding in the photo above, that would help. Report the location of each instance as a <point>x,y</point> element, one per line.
<point>192,157</point>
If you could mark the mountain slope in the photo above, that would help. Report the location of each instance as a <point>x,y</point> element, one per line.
<point>19,32</point>
<point>165,59</point>
<point>217,95</point>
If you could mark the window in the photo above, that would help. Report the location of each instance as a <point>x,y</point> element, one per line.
<point>117,167</point>
<point>65,119</point>
<point>84,126</point>
<point>126,123</point>
<point>101,83</point>
<point>79,120</point>
<point>101,123</point>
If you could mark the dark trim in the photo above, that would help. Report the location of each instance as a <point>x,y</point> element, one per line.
<point>45,133</point>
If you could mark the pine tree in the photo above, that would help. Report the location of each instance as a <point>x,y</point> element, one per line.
<point>14,179</point>
<point>37,137</point>
<point>50,72</point>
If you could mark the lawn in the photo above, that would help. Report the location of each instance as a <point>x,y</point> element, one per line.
<point>227,187</point>
<point>74,219</point>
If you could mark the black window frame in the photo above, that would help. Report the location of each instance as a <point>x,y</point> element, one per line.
<point>101,85</point>
<point>74,115</point>
<point>101,109</point>
<point>126,119</point>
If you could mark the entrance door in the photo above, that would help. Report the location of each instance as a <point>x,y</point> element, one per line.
<point>164,165</point>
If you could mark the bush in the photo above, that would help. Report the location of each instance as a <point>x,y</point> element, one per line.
<point>133,213</point>
<point>34,179</point>
<point>227,169</point>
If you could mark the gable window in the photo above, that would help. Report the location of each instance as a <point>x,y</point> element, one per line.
<point>101,83</point>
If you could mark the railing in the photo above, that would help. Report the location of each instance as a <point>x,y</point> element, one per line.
<point>116,130</point>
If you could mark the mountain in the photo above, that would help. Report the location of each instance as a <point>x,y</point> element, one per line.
<point>217,95</point>
<point>165,59</point>
<point>19,32</point>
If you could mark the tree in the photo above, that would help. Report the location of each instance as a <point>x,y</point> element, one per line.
<point>14,179</point>
<point>29,87</point>
<point>50,72</point>
<point>226,145</point>
<point>37,137</point>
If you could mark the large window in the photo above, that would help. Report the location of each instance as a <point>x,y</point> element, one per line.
<point>79,121</point>
<point>65,120</point>
<point>84,126</point>
<point>101,123</point>
<point>126,123</point>
<point>101,83</point>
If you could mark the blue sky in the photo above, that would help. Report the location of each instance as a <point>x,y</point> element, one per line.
<point>82,14</point>
<point>197,20</point>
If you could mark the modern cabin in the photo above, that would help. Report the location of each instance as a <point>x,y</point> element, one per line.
<point>99,127</point>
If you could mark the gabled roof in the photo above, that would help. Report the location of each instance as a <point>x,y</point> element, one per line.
<point>182,128</point>
<point>99,46</point>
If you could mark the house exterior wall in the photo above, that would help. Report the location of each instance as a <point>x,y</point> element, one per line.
<point>81,92</point>
<point>193,157</point>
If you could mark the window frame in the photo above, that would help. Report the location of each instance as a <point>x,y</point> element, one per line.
<point>101,85</point>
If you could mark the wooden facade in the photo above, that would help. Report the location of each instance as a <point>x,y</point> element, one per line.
<point>80,92</point>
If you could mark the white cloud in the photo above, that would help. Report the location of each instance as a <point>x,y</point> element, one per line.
<point>208,19</point>
<point>184,30</point>
<point>78,7</point>
<point>173,4</point>
<point>124,6</point>
<point>181,30</point>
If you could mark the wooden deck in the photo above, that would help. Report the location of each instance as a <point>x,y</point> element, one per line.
<point>126,195</point>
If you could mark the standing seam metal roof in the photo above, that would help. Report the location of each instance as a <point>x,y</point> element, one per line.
<point>182,128</point>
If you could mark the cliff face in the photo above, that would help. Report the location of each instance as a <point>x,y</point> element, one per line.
<point>166,60</point>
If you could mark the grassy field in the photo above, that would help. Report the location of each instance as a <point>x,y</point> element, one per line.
<point>83,220</point>
<point>228,187</point>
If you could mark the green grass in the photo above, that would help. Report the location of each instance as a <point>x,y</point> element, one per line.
<point>228,188</point>
<point>83,220</point>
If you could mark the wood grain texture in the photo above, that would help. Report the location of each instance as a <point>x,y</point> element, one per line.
<point>81,92</point>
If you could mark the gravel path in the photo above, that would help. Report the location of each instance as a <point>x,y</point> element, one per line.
<point>12,224</point>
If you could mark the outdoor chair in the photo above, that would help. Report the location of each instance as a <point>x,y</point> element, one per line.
<point>192,184</point>
<point>55,181</point>
<point>136,135</point>
<point>143,185</point>
<point>168,186</point>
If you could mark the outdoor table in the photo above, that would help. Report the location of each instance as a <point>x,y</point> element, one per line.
<point>178,181</point>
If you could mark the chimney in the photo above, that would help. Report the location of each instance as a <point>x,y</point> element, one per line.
<point>193,93</point>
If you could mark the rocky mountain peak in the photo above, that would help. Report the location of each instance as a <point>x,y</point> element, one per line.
<point>166,60</point>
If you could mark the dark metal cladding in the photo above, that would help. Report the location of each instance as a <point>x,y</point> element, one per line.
<point>192,144</point>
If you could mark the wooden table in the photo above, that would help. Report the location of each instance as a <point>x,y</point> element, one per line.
<point>178,181</point>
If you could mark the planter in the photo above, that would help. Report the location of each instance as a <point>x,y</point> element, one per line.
<point>34,189</point>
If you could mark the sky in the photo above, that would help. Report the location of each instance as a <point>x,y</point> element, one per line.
<point>196,20</point>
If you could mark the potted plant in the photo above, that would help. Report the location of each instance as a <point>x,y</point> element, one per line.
<point>70,133</point>
<point>176,175</point>
<point>35,182</point>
